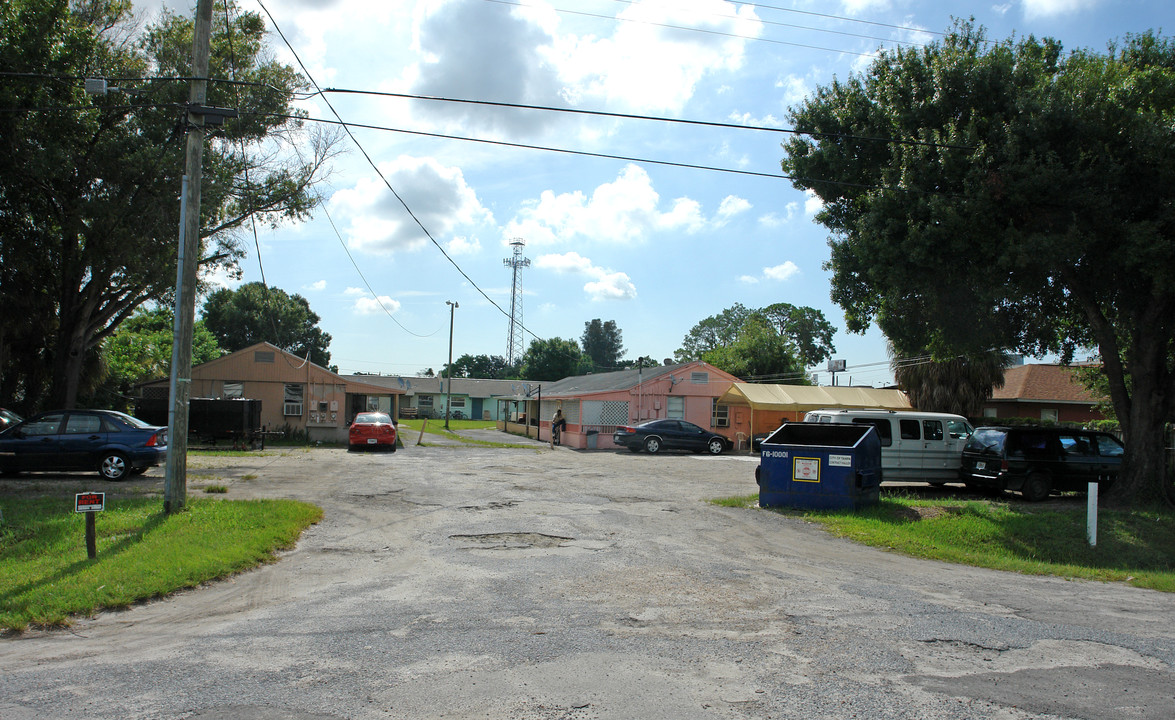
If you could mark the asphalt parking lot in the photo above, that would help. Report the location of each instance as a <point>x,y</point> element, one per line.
<point>537,584</point>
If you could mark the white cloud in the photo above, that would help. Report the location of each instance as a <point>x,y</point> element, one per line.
<point>778,273</point>
<point>857,7</point>
<point>645,64</point>
<point>1001,10</point>
<point>783,272</point>
<point>464,246</point>
<point>371,306</point>
<point>1034,9</point>
<point>605,284</point>
<point>812,204</point>
<point>439,196</point>
<point>746,118</point>
<point>733,205</point>
<point>315,286</point>
<point>795,89</point>
<point>365,304</point>
<point>625,210</point>
<point>477,50</point>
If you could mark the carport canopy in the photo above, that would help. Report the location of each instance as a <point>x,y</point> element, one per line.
<point>802,398</point>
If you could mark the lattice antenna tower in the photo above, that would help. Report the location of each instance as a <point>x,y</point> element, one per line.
<point>514,339</point>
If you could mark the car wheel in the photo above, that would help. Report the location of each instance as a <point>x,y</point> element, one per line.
<point>936,483</point>
<point>758,479</point>
<point>137,471</point>
<point>113,466</point>
<point>715,446</point>
<point>9,472</point>
<point>392,447</point>
<point>1036,486</point>
<point>653,445</point>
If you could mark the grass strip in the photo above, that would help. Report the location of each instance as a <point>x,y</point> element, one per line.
<point>46,576</point>
<point>1133,546</point>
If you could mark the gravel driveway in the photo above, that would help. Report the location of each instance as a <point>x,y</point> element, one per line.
<point>466,582</point>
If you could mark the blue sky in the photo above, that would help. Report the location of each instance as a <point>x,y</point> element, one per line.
<point>653,247</point>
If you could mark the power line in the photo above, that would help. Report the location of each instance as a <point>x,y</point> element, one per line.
<point>607,156</point>
<point>652,118</point>
<point>686,28</point>
<point>800,27</point>
<point>374,167</point>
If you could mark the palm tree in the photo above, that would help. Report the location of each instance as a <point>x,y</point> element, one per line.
<point>957,385</point>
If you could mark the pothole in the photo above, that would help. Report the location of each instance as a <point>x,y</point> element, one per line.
<point>514,540</point>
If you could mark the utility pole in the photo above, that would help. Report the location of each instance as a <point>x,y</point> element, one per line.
<point>175,494</point>
<point>449,393</point>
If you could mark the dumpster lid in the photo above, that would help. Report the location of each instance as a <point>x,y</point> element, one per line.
<point>819,434</point>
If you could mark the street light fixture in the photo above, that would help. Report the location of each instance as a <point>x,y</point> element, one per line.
<point>449,371</point>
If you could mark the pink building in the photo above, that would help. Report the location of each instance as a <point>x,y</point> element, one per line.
<point>594,405</point>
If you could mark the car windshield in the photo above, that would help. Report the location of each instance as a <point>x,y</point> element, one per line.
<point>372,418</point>
<point>987,439</point>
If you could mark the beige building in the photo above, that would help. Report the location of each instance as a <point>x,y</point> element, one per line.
<point>296,395</point>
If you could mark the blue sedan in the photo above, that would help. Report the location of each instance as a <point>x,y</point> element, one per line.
<point>654,436</point>
<point>113,443</point>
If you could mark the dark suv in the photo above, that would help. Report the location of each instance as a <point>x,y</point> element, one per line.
<point>1038,460</point>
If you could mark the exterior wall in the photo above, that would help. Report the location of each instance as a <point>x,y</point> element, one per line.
<point>329,402</point>
<point>1065,412</point>
<point>591,418</point>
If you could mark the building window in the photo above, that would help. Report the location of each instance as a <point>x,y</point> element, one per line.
<point>1048,414</point>
<point>457,401</point>
<point>699,378</point>
<point>424,401</point>
<point>675,408</point>
<point>263,356</point>
<point>720,415</point>
<point>989,412</point>
<point>292,407</point>
<point>233,389</point>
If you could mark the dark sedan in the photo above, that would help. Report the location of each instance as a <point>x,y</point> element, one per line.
<point>113,443</point>
<point>653,436</point>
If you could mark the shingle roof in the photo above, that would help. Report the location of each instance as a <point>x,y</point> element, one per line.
<point>473,387</point>
<point>1052,383</point>
<point>607,382</point>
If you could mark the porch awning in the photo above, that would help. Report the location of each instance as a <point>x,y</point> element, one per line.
<point>801,398</point>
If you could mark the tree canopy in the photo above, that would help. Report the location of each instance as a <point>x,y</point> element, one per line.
<point>733,337</point>
<point>254,313</point>
<point>1006,195</point>
<point>551,360</point>
<point>89,183</point>
<point>485,367</point>
<point>140,350</point>
<point>602,344</point>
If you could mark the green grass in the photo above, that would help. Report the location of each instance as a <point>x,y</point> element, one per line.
<point>1135,546</point>
<point>46,576</point>
<point>410,430</point>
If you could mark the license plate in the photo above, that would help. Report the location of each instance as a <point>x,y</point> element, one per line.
<point>372,441</point>
<point>980,465</point>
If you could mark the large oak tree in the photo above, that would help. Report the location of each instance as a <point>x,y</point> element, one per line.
<point>1008,195</point>
<point>90,184</point>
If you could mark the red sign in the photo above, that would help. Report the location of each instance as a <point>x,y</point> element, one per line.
<point>89,502</point>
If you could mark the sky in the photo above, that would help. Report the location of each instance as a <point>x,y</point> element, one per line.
<point>653,246</point>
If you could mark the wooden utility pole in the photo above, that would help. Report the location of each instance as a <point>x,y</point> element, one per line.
<point>175,494</point>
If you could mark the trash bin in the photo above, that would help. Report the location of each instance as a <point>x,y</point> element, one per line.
<point>591,439</point>
<point>820,466</point>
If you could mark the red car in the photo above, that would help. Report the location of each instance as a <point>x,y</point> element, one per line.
<point>372,430</point>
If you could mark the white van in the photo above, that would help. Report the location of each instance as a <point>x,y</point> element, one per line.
<point>915,446</point>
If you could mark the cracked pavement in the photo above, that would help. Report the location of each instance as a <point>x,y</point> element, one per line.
<point>464,582</point>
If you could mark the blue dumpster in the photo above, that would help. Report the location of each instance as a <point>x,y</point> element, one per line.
<point>820,466</point>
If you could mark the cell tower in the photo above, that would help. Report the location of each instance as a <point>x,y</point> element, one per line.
<point>514,340</point>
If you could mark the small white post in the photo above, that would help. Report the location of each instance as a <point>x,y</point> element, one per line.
<point>1091,515</point>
